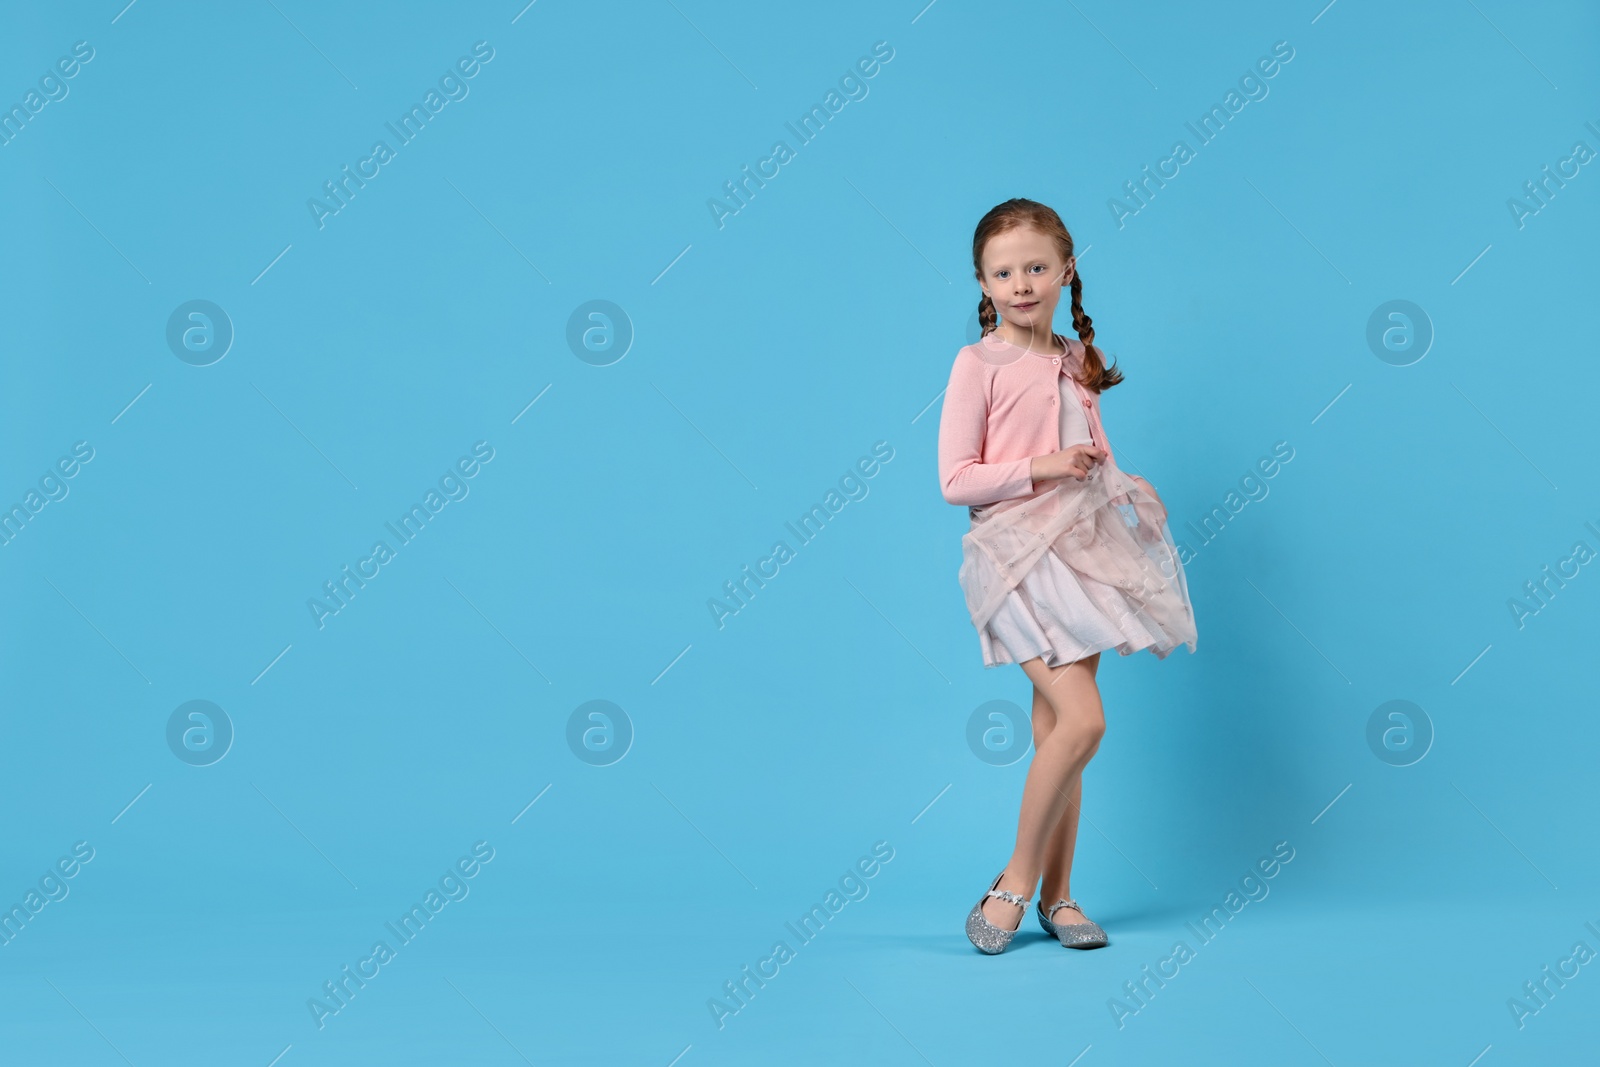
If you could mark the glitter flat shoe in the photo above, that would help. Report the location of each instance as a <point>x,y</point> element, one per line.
<point>1072,935</point>
<point>985,935</point>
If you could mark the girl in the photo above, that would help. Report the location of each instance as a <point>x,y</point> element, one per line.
<point>1066,557</point>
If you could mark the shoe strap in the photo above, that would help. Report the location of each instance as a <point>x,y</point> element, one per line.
<point>1008,896</point>
<point>1063,903</point>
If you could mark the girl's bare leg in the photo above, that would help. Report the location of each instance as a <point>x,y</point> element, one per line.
<point>1052,785</point>
<point>1057,884</point>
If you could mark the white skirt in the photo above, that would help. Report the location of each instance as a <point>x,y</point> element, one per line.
<point>1051,614</point>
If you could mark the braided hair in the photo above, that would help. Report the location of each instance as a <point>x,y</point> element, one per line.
<point>1016,212</point>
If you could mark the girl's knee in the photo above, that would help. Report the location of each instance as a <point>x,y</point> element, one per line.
<point>1084,730</point>
<point>1093,729</point>
<point>1096,730</point>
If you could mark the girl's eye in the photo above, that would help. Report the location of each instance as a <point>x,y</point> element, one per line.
<point>1039,266</point>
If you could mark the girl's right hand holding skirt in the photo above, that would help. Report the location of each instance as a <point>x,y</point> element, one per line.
<point>1073,462</point>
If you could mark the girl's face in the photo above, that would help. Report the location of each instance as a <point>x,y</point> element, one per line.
<point>1023,273</point>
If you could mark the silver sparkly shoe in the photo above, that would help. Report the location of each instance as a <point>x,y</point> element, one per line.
<point>1072,935</point>
<point>985,935</point>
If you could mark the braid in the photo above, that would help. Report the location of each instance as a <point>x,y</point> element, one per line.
<point>988,318</point>
<point>1096,375</point>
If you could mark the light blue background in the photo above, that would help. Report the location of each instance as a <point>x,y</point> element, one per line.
<point>769,354</point>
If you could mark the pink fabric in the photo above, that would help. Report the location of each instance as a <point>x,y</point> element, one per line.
<point>1110,532</point>
<point>1001,408</point>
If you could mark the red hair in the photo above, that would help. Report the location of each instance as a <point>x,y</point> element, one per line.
<point>1008,216</point>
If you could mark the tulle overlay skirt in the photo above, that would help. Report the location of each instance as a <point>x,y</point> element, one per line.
<point>1079,568</point>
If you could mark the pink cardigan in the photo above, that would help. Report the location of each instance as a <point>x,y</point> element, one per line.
<point>1001,408</point>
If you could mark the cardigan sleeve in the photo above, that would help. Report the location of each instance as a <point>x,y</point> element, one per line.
<point>963,476</point>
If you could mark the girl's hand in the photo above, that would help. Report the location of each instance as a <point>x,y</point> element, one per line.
<point>1073,462</point>
<point>1147,487</point>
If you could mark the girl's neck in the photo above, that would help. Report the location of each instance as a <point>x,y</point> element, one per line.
<point>1034,342</point>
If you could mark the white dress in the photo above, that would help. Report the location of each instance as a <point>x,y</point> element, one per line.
<point>1049,613</point>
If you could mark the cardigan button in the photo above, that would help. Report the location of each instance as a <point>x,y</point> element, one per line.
<point>1057,360</point>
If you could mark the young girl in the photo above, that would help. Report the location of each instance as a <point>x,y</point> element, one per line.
<point>1066,556</point>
